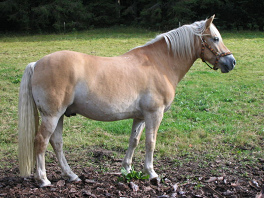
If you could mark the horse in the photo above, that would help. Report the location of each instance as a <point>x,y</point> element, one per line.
<point>138,85</point>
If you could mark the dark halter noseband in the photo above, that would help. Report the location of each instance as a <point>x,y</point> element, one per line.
<point>217,54</point>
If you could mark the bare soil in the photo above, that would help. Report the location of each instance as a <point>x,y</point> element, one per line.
<point>179,178</point>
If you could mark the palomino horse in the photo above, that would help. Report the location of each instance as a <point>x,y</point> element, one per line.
<point>139,84</point>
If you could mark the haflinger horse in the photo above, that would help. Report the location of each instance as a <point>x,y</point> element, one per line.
<point>138,85</point>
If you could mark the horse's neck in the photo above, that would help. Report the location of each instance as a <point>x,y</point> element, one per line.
<point>171,65</point>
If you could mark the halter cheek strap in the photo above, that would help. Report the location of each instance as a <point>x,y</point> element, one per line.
<point>217,54</point>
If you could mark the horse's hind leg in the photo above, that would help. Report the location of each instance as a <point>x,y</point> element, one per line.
<point>57,144</point>
<point>47,127</point>
<point>137,128</point>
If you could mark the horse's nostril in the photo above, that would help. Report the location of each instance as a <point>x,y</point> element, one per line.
<point>234,62</point>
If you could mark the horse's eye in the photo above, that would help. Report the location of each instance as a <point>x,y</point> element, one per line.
<point>216,39</point>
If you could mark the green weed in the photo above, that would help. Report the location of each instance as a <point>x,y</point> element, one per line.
<point>132,175</point>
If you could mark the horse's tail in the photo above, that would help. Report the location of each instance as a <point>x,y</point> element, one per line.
<point>28,123</point>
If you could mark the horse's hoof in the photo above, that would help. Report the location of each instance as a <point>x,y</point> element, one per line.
<point>75,179</point>
<point>155,181</point>
<point>45,184</point>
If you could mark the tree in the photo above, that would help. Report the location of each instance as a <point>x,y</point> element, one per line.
<point>104,12</point>
<point>45,15</point>
<point>61,15</point>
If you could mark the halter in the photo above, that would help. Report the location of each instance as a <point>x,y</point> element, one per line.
<point>217,54</point>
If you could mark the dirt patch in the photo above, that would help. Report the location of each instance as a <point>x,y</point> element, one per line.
<point>179,178</point>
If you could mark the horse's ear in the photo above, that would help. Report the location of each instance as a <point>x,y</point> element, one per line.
<point>209,22</point>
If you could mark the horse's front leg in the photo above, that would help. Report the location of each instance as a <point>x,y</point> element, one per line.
<point>137,128</point>
<point>153,120</point>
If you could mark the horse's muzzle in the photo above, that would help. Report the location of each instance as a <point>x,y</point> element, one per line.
<point>227,63</point>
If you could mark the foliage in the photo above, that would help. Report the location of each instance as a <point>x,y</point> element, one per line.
<point>66,15</point>
<point>132,175</point>
<point>36,16</point>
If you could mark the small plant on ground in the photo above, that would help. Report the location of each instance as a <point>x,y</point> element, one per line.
<point>132,175</point>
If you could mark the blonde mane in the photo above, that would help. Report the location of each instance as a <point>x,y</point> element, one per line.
<point>181,40</point>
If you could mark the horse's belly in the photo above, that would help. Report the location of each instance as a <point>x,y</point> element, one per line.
<point>104,103</point>
<point>103,111</point>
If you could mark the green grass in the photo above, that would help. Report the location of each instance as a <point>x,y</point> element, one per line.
<point>213,114</point>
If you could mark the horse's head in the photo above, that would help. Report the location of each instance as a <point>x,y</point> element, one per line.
<point>213,49</point>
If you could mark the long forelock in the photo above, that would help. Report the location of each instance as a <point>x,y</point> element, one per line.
<point>181,40</point>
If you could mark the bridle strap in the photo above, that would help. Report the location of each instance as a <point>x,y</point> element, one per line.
<point>217,54</point>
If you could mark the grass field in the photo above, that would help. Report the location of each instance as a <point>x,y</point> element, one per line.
<point>213,115</point>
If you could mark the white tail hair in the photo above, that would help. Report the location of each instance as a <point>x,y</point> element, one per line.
<point>28,123</point>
